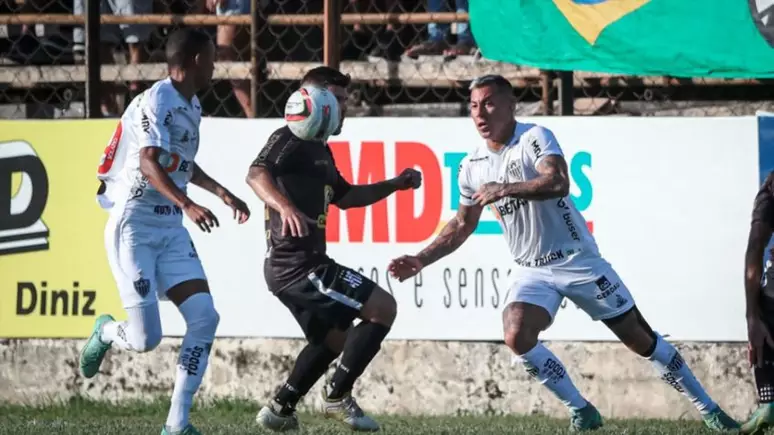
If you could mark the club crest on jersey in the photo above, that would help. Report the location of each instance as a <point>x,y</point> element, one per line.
<point>514,171</point>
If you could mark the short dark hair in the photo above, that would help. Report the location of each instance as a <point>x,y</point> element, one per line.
<point>325,76</point>
<point>499,82</point>
<point>183,45</point>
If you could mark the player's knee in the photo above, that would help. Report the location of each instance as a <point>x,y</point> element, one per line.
<point>380,308</point>
<point>520,339</point>
<point>145,340</point>
<point>200,316</point>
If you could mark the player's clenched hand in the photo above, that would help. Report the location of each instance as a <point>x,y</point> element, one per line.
<point>408,179</point>
<point>488,193</point>
<point>201,216</point>
<point>294,222</point>
<point>241,212</point>
<point>758,336</point>
<point>403,268</point>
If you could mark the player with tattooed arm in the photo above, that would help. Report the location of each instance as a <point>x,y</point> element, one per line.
<point>521,172</point>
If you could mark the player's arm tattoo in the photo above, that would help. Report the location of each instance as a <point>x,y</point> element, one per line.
<point>760,234</point>
<point>260,179</point>
<point>553,181</point>
<point>453,235</point>
<point>366,194</point>
<point>201,179</point>
<point>158,177</point>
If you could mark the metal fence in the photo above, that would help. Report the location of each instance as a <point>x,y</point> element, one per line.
<point>56,60</point>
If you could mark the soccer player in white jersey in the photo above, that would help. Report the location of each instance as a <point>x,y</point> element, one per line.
<point>144,174</point>
<point>520,172</point>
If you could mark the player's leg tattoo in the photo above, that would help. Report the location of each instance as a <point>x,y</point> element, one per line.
<point>141,332</point>
<point>201,323</point>
<point>363,342</point>
<point>636,334</point>
<point>522,323</point>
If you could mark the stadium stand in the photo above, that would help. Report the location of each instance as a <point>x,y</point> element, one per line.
<point>267,46</point>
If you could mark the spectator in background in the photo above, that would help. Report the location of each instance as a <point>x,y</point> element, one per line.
<point>438,34</point>
<point>134,35</point>
<point>232,42</point>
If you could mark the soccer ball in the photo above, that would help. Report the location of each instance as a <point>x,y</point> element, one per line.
<point>312,113</point>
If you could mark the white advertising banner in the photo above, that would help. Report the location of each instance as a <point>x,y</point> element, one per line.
<point>668,200</point>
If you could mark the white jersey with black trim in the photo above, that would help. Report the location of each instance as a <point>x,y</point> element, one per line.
<point>539,233</point>
<point>159,117</point>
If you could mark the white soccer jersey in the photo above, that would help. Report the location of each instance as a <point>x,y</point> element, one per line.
<point>159,117</point>
<point>539,233</point>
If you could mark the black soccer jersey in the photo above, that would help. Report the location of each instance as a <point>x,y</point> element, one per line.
<point>305,172</point>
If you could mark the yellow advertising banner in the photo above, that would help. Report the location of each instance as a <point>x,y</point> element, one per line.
<point>54,276</point>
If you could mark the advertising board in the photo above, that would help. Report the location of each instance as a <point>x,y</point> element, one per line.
<point>668,200</point>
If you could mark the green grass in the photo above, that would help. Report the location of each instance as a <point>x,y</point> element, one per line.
<point>79,416</point>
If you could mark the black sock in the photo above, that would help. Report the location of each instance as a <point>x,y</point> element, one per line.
<point>311,364</point>
<point>764,376</point>
<point>361,347</point>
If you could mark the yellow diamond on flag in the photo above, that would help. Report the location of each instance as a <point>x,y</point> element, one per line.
<point>591,17</point>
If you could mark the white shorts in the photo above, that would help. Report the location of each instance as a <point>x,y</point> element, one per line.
<point>147,261</point>
<point>593,286</point>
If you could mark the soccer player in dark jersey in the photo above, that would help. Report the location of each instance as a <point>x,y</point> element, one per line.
<point>298,181</point>
<point>759,293</point>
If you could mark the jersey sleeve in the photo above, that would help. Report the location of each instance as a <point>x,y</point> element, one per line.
<point>155,121</point>
<point>763,208</point>
<point>465,185</point>
<point>341,188</point>
<point>277,154</point>
<point>542,143</point>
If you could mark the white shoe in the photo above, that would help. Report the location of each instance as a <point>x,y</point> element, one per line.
<point>273,420</point>
<point>347,411</point>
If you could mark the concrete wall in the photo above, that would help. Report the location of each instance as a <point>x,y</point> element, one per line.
<point>406,378</point>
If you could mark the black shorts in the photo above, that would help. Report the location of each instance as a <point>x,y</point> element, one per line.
<point>330,297</point>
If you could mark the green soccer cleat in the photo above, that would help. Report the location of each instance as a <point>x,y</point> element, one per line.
<point>762,419</point>
<point>188,430</point>
<point>94,351</point>
<point>719,421</point>
<point>586,418</point>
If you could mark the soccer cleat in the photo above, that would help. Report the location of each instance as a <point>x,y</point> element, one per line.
<point>347,411</point>
<point>762,419</point>
<point>94,350</point>
<point>719,421</point>
<point>586,418</point>
<point>271,419</point>
<point>188,430</point>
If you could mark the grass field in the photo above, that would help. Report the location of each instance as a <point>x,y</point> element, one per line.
<point>236,417</point>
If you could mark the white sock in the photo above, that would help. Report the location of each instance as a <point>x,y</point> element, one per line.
<point>675,372</point>
<point>544,366</point>
<point>115,332</point>
<point>202,321</point>
<point>141,331</point>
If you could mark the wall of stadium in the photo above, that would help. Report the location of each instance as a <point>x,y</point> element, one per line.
<point>668,200</point>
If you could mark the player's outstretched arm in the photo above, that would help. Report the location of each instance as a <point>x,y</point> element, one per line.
<point>201,179</point>
<point>452,236</point>
<point>367,194</point>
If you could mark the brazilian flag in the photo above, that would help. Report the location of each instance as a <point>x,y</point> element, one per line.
<point>682,38</point>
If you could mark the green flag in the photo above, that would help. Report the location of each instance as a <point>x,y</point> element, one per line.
<point>684,38</point>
